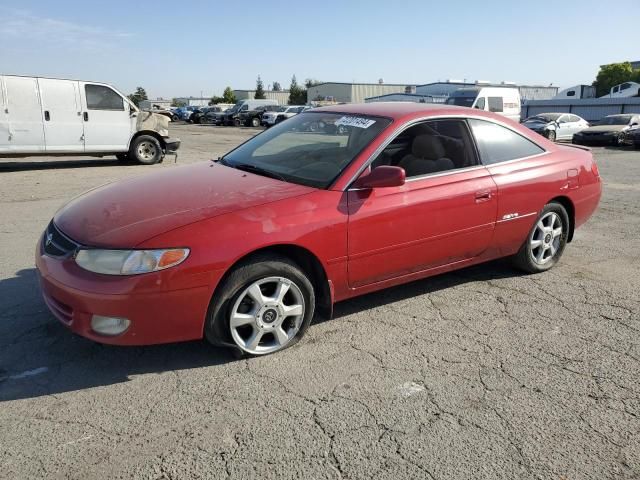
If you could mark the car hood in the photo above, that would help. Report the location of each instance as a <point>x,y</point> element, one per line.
<point>126,213</point>
<point>606,128</point>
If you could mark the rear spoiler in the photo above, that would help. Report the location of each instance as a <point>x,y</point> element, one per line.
<point>581,147</point>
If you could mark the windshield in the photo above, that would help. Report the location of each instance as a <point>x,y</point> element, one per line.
<point>616,120</point>
<point>309,149</point>
<point>461,101</point>
<point>544,117</point>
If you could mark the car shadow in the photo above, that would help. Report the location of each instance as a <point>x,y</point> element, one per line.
<point>13,165</point>
<point>39,356</point>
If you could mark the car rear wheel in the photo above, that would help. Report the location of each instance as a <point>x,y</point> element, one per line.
<point>146,150</point>
<point>546,240</point>
<point>551,135</point>
<point>264,306</point>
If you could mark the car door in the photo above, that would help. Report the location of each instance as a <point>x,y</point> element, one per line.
<point>108,125</point>
<point>24,115</point>
<point>522,173</point>
<point>434,219</point>
<point>564,129</point>
<point>62,115</point>
<point>576,125</point>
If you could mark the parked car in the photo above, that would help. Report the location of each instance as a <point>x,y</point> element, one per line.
<point>50,116</point>
<point>634,137</point>
<point>269,119</point>
<point>248,248</point>
<point>212,115</point>
<point>253,118</point>
<point>503,100</point>
<point>232,116</point>
<point>611,130</point>
<point>556,126</point>
<point>198,115</point>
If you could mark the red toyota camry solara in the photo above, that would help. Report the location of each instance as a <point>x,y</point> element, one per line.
<point>330,204</point>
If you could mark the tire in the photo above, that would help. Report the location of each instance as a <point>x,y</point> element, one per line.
<point>237,122</point>
<point>122,157</point>
<point>546,238</point>
<point>146,150</point>
<point>255,122</point>
<point>619,140</point>
<point>551,135</point>
<point>238,296</point>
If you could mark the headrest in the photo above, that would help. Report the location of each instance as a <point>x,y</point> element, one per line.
<point>427,146</point>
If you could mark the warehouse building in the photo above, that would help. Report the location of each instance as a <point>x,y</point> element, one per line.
<point>280,96</point>
<point>352,92</point>
<point>438,92</point>
<point>193,101</point>
<point>157,104</point>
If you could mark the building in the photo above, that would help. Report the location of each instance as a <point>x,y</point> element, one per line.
<point>527,92</point>
<point>281,96</point>
<point>157,104</point>
<point>352,92</point>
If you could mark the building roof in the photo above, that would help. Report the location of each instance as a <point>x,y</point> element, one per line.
<point>394,110</point>
<point>482,84</point>
<point>361,83</point>
<point>266,91</point>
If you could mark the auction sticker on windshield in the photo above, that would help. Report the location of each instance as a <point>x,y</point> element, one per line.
<point>358,122</point>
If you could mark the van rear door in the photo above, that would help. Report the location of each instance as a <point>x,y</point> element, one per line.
<point>107,123</point>
<point>4,120</point>
<point>26,132</point>
<point>62,114</point>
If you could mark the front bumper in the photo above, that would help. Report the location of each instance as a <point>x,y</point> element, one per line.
<point>168,313</point>
<point>172,144</point>
<point>604,139</point>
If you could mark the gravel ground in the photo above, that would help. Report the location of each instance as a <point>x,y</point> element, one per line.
<point>483,373</point>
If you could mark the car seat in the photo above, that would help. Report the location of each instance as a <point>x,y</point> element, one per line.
<point>427,156</point>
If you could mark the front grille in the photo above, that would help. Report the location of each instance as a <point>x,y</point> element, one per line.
<point>57,244</point>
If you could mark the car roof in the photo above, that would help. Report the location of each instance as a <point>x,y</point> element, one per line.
<point>397,110</point>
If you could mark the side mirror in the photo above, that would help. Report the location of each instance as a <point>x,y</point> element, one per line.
<point>380,177</point>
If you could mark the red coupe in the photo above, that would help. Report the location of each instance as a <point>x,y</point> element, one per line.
<point>333,203</point>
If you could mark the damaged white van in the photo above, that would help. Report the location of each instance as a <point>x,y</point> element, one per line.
<point>49,116</point>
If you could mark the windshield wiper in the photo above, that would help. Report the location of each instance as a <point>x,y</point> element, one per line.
<point>257,170</point>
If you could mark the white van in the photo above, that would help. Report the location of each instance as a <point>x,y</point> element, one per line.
<point>48,116</point>
<point>502,100</point>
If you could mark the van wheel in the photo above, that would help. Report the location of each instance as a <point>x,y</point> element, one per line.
<point>146,150</point>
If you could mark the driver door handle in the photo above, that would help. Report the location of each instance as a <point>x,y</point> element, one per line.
<point>483,196</point>
<point>85,115</point>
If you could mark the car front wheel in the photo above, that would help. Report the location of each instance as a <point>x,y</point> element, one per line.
<point>264,306</point>
<point>546,240</point>
<point>255,122</point>
<point>551,135</point>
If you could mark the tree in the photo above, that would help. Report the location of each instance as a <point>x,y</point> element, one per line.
<point>613,74</point>
<point>311,82</point>
<point>276,87</point>
<point>297,94</point>
<point>139,95</point>
<point>177,103</point>
<point>229,96</point>
<point>259,95</point>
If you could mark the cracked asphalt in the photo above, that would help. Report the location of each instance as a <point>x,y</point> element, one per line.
<point>484,373</point>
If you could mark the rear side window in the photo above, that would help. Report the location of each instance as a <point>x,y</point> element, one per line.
<point>571,93</point>
<point>495,104</point>
<point>499,144</point>
<point>100,97</point>
<point>574,118</point>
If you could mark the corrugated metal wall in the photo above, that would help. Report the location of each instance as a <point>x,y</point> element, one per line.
<point>591,109</point>
<point>339,92</point>
<point>361,91</point>
<point>537,93</point>
<point>281,97</point>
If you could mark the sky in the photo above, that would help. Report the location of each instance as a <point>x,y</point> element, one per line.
<point>192,47</point>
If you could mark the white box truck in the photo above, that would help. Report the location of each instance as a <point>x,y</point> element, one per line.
<point>50,116</point>
<point>502,100</point>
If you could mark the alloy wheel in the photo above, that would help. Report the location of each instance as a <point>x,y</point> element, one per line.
<point>546,238</point>
<point>267,315</point>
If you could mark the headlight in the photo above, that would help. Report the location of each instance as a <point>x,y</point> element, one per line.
<point>130,262</point>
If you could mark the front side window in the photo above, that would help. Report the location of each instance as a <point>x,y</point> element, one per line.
<point>495,104</point>
<point>100,97</point>
<point>430,147</point>
<point>308,149</point>
<point>499,144</point>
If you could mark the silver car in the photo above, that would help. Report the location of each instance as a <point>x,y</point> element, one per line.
<point>556,126</point>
